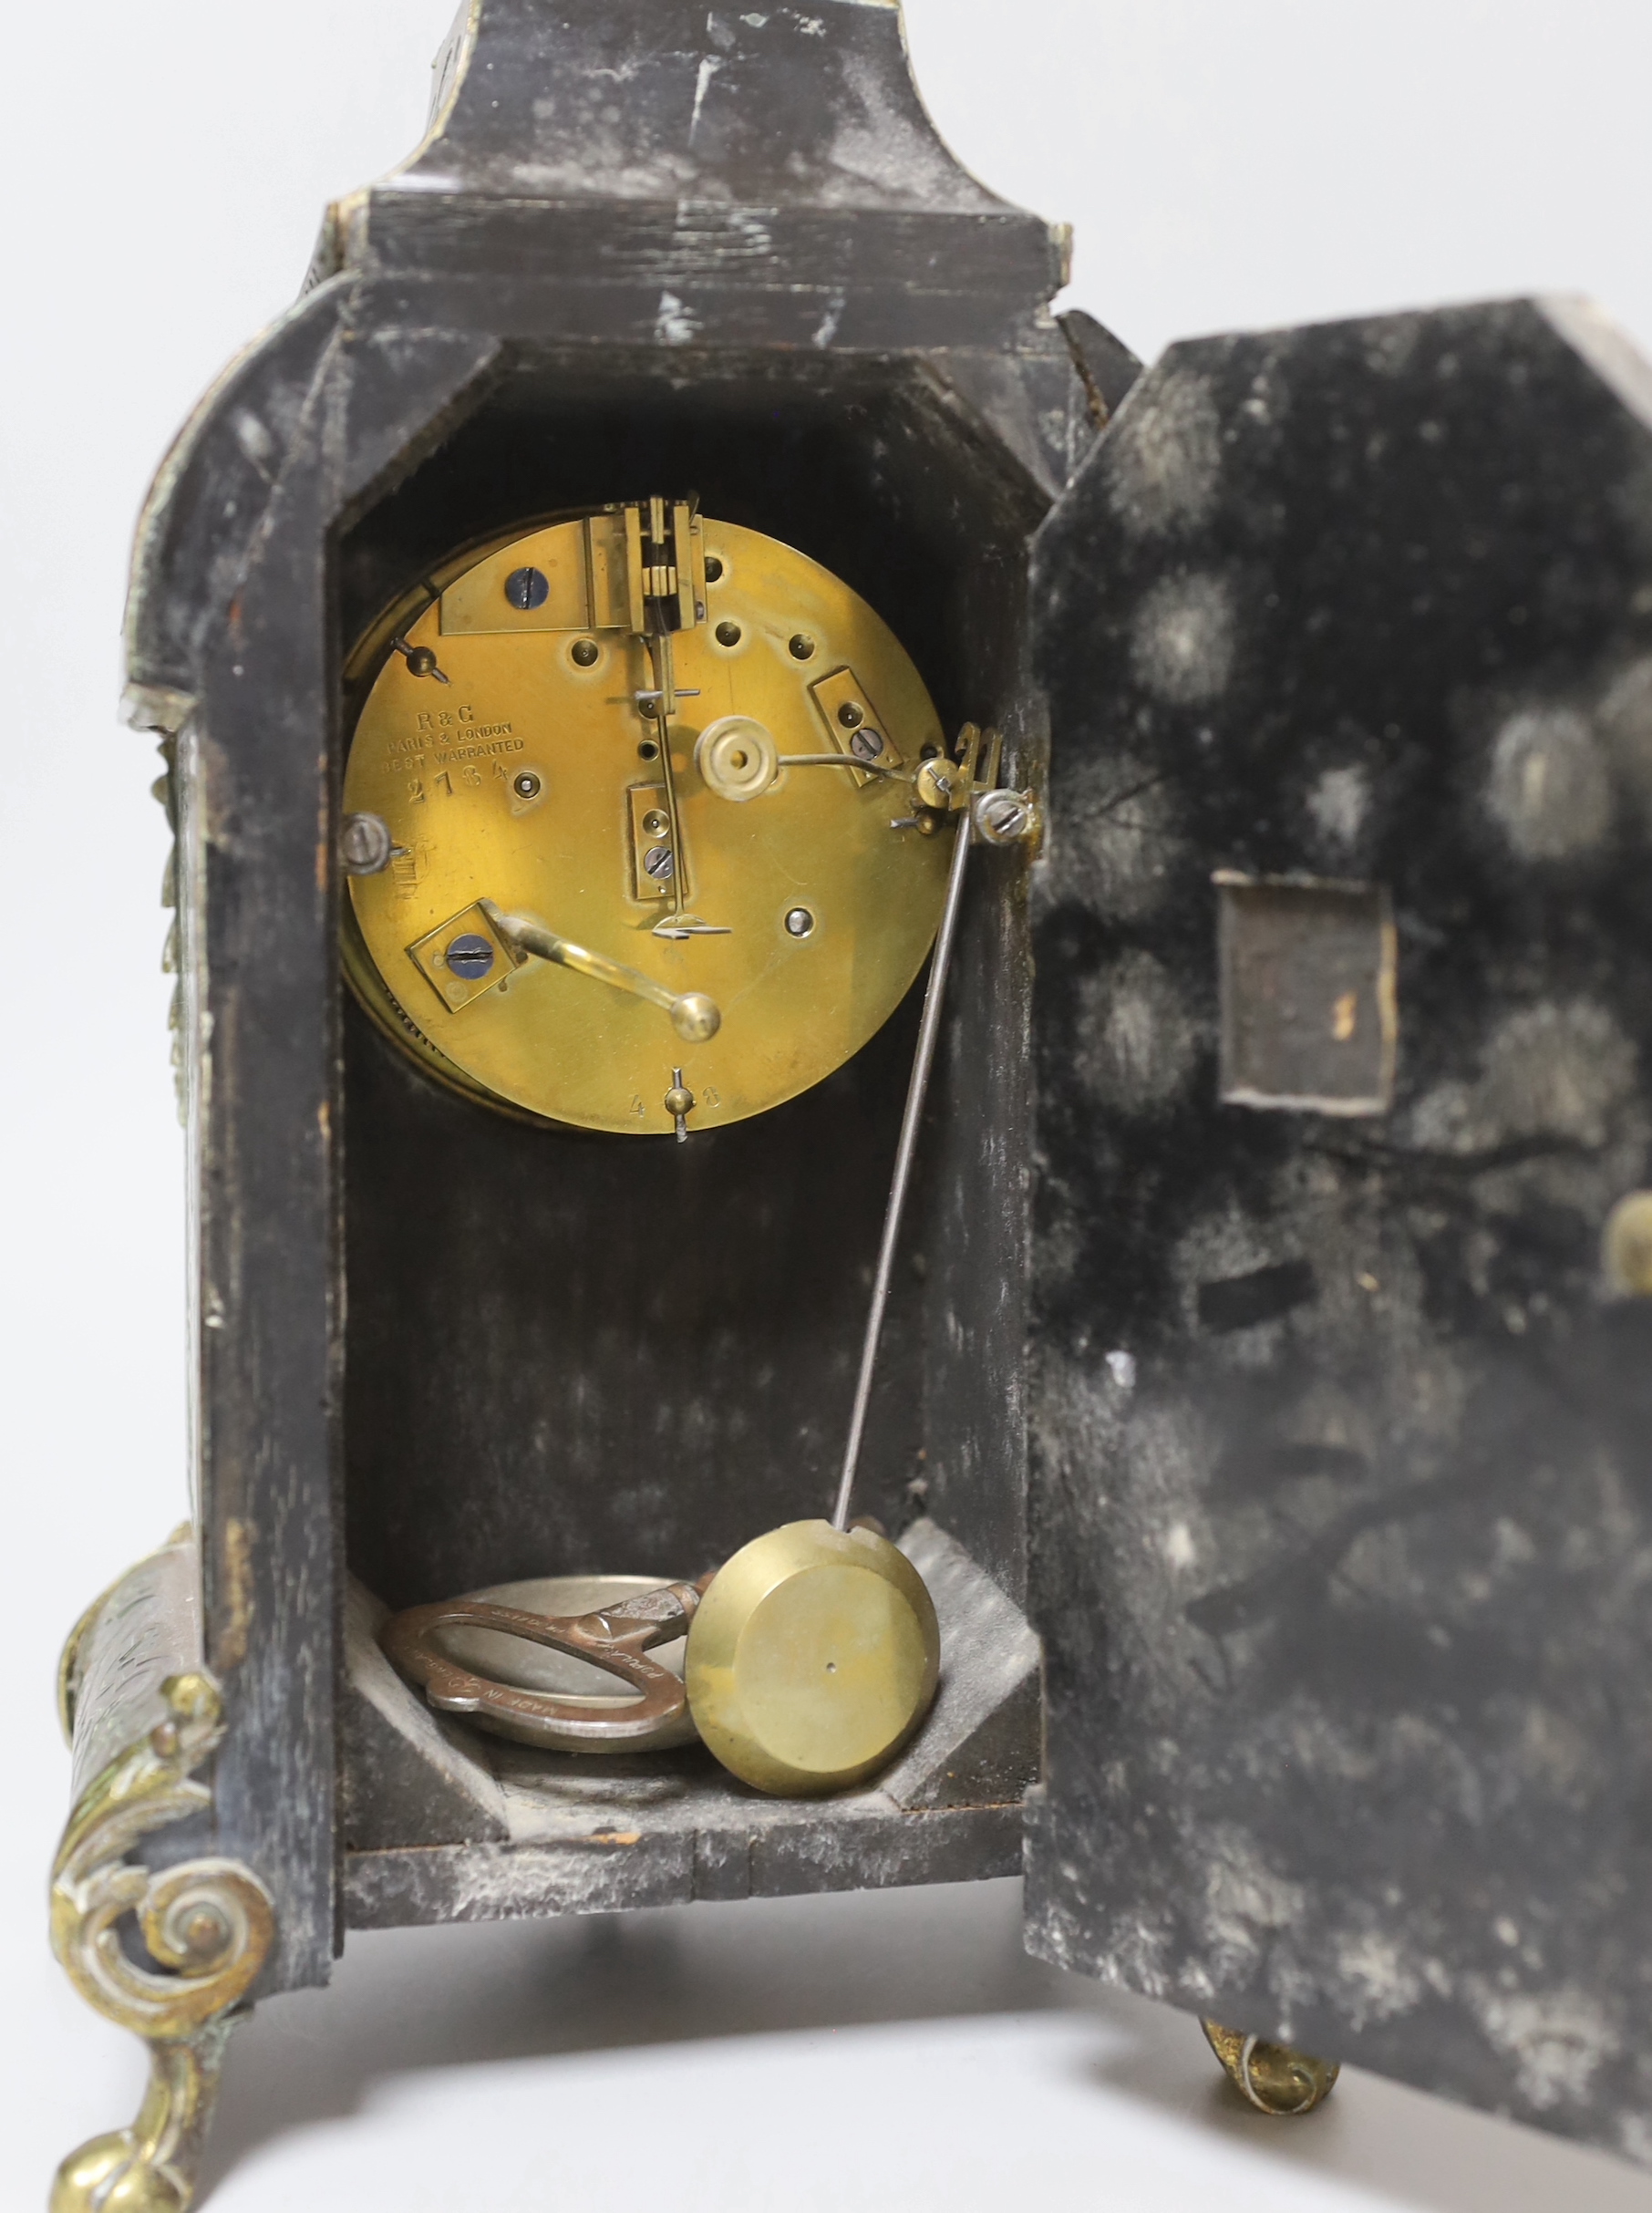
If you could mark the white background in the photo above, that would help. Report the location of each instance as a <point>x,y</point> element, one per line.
<point>1224,162</point>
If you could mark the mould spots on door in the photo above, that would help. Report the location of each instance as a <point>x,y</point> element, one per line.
<point>1563,1071</point>
<point>1339,804</point>
<point>1179,1549</point>
<point>1379,1977</point>
<point>1164,463</point>
<point>1136,1043</point>
<point>1244,1898</point>
<point>1181,641</point>
<point>1558,2040</point>
<point>1550,790</point>
<point>1118,840</point>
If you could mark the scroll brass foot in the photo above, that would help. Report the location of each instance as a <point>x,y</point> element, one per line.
<point>150,2166</point>
<point>207,1924</point>
<point>1273,2078</point>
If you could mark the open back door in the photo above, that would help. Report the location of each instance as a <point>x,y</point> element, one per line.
<point>1342,1394</point>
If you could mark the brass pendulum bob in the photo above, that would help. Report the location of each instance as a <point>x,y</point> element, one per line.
<point>815,1652</point>
<point>813,1657</point>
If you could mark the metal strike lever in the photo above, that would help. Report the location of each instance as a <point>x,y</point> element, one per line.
<point>694,1016</point>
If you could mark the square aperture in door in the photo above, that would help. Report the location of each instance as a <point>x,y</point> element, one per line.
<point>1307,994</point>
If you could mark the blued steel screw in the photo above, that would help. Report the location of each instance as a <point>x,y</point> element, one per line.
<point>527,589</point>
<point>469,957</point>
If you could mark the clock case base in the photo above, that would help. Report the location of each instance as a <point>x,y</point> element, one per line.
<point>445,1822</point>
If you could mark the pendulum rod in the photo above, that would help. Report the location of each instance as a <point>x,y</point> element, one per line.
<point>929,1029</point>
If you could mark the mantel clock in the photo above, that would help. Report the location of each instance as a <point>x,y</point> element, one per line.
<point>916,1082</point>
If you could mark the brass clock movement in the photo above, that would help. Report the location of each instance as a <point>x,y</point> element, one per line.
<point>640,820</point>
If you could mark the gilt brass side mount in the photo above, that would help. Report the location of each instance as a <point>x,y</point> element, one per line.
<point>207,1924</point>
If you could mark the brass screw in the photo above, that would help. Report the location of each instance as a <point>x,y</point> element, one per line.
<point>420,659</point>
<point>367,846</point>
<point>1004,817</point>
<point>936,783</point>
<point>679,1105</point>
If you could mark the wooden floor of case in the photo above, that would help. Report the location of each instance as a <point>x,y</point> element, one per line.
<point>444,1823</point>
<point>708,1844</point>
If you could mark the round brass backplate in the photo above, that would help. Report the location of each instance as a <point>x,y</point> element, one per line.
<point>813,1657</point>
<point>510,743</point>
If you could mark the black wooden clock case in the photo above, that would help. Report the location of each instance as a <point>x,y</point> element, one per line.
<point>1297,1411</point>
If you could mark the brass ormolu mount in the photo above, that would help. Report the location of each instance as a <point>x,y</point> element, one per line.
<point>207,1925</point>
